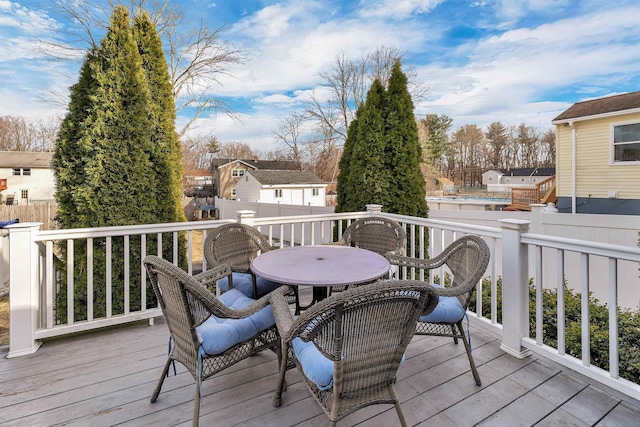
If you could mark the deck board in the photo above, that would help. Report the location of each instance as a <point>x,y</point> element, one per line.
<point>105,378</point>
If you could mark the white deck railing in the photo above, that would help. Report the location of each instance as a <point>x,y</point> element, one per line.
<point>516,256</point>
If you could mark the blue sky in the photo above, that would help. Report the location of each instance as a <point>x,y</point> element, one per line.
<point>514,61</point>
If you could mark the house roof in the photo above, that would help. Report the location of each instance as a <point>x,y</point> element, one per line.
<point>607,105</point>
<point>285,177</point>
<point>257,164</point>
<point>526,171</point>
<point>25,159</point>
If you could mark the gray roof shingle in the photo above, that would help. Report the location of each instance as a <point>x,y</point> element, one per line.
<point>609,104</point>
<point>25,159</point>
<point>284,177</point>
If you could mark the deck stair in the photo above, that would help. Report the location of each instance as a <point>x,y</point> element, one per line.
<point>544,192</point>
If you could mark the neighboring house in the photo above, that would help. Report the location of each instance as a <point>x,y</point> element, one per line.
<point>29,177</point>
<point>503,180</point>
<point>227,172</point>
<point>598,156</point>
<point>198,178</point>
<point>281,186</point>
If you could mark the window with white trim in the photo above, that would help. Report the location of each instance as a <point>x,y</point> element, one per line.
<point>626,143</point>
<point>237,173</point>
<point>278,193</point>
<point>24,194</point>
<point>233,192</point>
<point>315,191</point>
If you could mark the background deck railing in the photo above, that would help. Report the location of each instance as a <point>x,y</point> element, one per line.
<point>517,256</point>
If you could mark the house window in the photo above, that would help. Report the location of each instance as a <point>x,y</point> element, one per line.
<point>237,173</point>
<point>233,192</point>
<point>315,191</point>
<point>26,171</point>
<point>278,193</point>
<point>24,194</point>
<point>16,171</point>
<point>626,143</point>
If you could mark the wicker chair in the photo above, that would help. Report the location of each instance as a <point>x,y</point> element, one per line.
<point>467,259</point>
<point>237,245</point>
<point>349,346</point>
<point>193,314</point>
<point>378,234</point>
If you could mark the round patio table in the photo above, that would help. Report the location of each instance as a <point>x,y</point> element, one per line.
<point>320,267</point>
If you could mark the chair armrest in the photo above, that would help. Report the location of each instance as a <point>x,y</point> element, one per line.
<point>209,277</point>
<point>217,308</point>
<point>423,264</point>
<point>430,264</point>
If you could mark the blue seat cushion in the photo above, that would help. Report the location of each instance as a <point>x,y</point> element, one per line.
<point>315,365</point>
<point>217,335</point>
<point>448,310</point>
<point>242,282</point>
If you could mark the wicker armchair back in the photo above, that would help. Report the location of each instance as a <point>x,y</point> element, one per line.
<point>359,336</point>
<point>467,258</point>
<point>186,303</point>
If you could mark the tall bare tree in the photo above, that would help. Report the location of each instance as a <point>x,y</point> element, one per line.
<point>19,134</point>
<point>197,56</point>
<point>345,87</point>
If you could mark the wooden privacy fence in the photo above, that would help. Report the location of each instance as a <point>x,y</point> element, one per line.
<point>37,212</point>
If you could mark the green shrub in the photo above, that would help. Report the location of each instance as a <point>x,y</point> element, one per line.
<point>628,326</point>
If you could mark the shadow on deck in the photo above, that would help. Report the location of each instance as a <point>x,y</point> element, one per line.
<point>106,378</point>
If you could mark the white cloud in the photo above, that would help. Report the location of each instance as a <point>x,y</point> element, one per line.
<point>397,9</point>
<point>509,75</point>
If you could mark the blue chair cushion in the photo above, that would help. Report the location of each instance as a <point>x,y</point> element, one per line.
<point>448,310</point>
<point>314,364</point>
<point>242,282</point>
<point>217,335</point>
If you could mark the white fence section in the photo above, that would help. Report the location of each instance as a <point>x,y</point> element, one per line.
<point>519,252</point>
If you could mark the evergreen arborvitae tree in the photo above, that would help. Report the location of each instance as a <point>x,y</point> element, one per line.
<point>382,153</point>
<point>403,151</point>
<point>166,156</point>
<point>115,164</point>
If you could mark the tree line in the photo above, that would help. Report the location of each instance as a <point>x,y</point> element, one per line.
<point>463,155</point>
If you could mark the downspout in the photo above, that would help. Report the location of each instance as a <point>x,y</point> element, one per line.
<point>573,167</point>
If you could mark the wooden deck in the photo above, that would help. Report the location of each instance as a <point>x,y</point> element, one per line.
<point>106,378</point>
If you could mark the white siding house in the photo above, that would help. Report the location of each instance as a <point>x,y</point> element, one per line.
<point>29,177</point>
<point>281,186</point>
<point>503,180</point>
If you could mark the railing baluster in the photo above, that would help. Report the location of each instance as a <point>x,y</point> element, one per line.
<point>494,283</point>
<point>90,279</point>
<point>70,283</point>
<point>143,272</point>
<point>537,280</point>
<point>614,358</point>
<point>49,284</point>
<point>561,306</point>
<point>127,269</point>
<point>175,248</point>
<point>109,290</point>
<point>584,310</point>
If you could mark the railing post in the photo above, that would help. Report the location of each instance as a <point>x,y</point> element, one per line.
<point>515,287</point>
<point>536,218</point>
<point>374,209</point>
<point>246,217</point>
<point>24,295</point>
